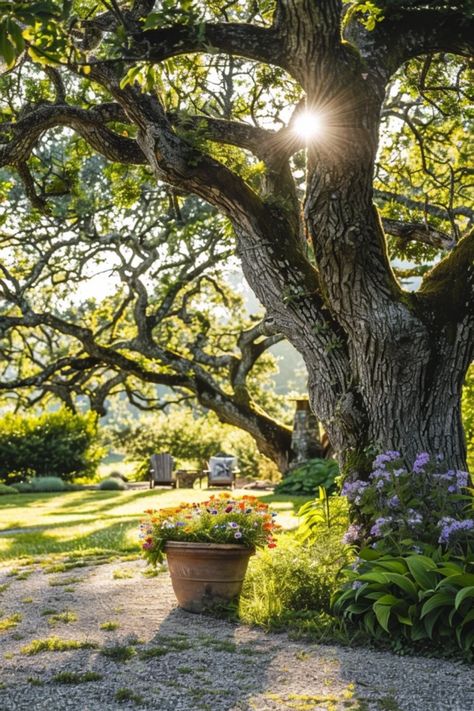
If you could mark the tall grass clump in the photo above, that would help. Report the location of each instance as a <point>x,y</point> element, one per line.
<point>293,582</point>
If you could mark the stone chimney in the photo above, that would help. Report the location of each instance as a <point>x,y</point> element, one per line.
<point>306,436</point>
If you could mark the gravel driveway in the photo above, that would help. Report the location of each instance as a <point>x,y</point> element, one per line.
<point>123,644</point>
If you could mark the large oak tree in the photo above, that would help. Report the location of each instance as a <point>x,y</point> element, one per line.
<point>385,365</point>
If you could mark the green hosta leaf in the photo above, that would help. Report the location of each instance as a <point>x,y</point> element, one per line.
<point>340,598</point>
<point>418,631</point>
<point>374,595</point>
<point>463,595</point>
<point>449,569</point>
<point>395,566</point>
<point>429,563</point>
<point>451,617</point>
<point>437,600</point>
<point>369,554</point>
<point>382,613</point>
<point>374,577</point>
<point>360,591</point>
<point>369,623</point>
<point>422,571</point>
<point>404,584</point>
<point>463,580</point>
<point>404,620</point>
<point>389,600</point>
<point>468,642</point>
<point>431,619</point>
<point>468,618</point>
<point>357,608</point>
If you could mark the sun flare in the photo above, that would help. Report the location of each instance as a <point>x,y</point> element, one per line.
<point>308,125</point>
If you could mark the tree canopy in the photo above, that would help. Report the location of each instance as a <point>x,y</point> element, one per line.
<point>289,119</point>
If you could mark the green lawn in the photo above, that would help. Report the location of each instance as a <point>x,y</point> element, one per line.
<point>98,521</point>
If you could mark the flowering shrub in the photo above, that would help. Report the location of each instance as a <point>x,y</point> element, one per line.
<point>426,505</point>
<point>243,520</point>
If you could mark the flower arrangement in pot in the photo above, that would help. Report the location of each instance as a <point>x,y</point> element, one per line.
<point>208,546</point>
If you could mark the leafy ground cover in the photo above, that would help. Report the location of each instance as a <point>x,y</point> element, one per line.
<point>97,521</point>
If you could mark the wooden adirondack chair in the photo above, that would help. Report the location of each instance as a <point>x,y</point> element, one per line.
<point>161,470</point>
<point>222,470</point>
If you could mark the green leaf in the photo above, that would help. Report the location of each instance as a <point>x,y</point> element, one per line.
<point>418,632</point>
<point>357,608</point>
<point>369,623</point>
<point>468,618</point>
<point>436,600</point>
<point>404,584</point>
<point>389,600</point>
<point>463,595</point>
<point>382,613</point>
<point>464,580</point>
<point>7,49</point>
<point>374,577</point>
<point>430,620</point>
<point>404,620</point>
<point>468,643</point>
<point>422,571</point>
<point>369,554</point>
<point>15,33</point>
<point>395,566</point>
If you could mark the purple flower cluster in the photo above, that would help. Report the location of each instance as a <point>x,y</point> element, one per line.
<point>354,490</point>
<point>451,526</point>
<point>420,462</point>
<point>376,529</point>
<point>403,504</point>
<point>381,459</point>
<point>457,480</point>
<point>379,474</point>
<point>414,518</point>
<point>353,534</point>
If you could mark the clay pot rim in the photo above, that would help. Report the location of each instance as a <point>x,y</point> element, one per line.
<point>196,545</point>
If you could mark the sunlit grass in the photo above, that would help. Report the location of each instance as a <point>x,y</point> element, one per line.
<point>55,644</point>
<point>9,622</point>
<point>85,523</point>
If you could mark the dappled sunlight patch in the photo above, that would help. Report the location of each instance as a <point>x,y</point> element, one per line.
<point>122,573</point>
<point>311,702</point>
<point>10,622</point>
<point>109,626</point>
<point>55,644</point>
<point>65,617</point>
<point>58,582</point>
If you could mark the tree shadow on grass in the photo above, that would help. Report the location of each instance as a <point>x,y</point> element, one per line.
<point>111,537</point>
<point>112,500</point>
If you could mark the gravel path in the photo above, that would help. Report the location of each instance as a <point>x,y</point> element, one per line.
<point>178,661</point>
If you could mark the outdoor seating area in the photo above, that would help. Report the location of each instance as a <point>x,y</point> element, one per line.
<point>221,472</point>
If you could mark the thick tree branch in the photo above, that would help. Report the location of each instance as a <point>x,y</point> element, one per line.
<point>434,210</point>
<point>418,232</point>
<point>87,123</point>
<point>448,290</point>
<point>412,32</point>
<point>257,43</point>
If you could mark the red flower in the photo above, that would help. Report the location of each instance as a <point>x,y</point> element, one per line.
<point>228,509</point>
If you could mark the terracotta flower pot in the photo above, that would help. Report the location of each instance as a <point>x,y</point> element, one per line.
<point>206,574</point>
